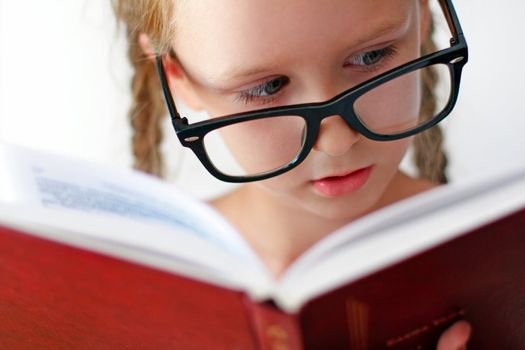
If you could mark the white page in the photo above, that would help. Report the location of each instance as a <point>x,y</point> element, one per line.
<point>50,181</point>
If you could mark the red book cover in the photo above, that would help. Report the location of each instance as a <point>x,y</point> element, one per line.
<point>54,296</point>
<point>479,277</point>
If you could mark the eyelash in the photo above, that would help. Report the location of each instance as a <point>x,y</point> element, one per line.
<point>380,56</point>
<point>254,94</point>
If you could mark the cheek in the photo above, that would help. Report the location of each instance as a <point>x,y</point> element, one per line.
<point>288,185</point>
<point>387,154</point>
<point>392,107</point>
<point>393,152</point>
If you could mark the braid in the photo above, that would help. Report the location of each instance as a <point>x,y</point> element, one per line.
<point>146,112</point>
<point>429,157</point>
<point>154,18</point>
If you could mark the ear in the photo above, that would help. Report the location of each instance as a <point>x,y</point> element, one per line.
<point>179,83</point>
<point>424,19</point>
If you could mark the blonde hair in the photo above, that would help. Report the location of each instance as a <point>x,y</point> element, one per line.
<point>147,109</point>
<point>156,19</point>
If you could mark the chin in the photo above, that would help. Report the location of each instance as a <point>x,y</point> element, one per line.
<point>341,209</point>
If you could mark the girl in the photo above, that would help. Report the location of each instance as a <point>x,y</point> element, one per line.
<point>329,129</point>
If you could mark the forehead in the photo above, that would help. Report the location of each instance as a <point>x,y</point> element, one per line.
<point>218,35</point>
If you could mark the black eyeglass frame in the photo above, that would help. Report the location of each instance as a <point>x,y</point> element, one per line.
<point>192,135</point>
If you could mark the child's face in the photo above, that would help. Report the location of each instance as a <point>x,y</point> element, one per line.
<point>241,55</point>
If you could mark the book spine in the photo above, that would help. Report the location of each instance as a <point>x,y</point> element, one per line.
<point>273,328</point>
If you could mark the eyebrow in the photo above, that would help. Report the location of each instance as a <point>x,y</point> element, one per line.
<point>389,28</point>
<point>237,72</point>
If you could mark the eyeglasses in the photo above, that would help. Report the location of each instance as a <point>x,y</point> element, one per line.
<point>272,141</point>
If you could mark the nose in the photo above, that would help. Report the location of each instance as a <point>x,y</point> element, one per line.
<point>335,136</point>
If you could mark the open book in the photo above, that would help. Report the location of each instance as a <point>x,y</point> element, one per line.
<point>111,258</point>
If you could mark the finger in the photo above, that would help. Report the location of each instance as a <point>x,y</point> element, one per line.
<point>455,337</point>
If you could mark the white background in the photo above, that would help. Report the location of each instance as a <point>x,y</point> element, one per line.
<point>64,87</point>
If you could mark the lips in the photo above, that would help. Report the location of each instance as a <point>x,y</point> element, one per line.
<point>334,186</point>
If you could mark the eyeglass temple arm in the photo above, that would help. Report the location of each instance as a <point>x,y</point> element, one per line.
<point>175,116</point>
<point>452,19</point>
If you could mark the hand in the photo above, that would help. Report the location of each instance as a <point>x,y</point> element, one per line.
<point>455,337</point>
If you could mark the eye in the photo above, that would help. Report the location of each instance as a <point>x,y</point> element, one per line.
<point>371,59</point>
<point>265,90</point>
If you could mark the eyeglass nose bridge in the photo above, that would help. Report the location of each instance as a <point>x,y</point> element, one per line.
<point>342,107</point>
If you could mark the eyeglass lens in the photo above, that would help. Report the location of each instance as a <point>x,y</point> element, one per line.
<point>267,144</point>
